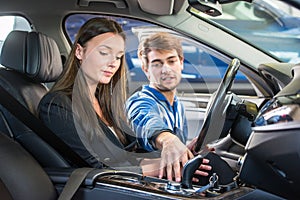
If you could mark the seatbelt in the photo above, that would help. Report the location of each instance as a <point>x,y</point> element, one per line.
<point>74,182</point>
<point>37,126</point>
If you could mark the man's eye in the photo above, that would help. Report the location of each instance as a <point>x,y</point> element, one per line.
<point>156,65</point>
<point>172,61</point>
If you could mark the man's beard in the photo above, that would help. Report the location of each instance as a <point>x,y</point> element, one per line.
<point>163,88</point>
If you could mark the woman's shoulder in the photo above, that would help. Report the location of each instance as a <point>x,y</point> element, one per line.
<point>54,106</point>
<point>55,98</point>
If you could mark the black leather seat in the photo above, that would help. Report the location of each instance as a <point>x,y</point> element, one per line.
<point>30,60</point>
<point>21,177</point>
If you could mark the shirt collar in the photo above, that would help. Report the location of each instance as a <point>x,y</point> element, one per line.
<point>158,94</point>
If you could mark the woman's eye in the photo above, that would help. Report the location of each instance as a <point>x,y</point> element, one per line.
<point>119,57</point>
<point>103,53</point>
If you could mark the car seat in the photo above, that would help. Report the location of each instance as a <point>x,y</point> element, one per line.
<point>21,177</point>
<point>30,60</point>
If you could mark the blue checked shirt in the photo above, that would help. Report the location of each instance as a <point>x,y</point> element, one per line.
<point>150,113</point>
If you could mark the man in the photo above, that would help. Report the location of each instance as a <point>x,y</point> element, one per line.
<point>155,113</point>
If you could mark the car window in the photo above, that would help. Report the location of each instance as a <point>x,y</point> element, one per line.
<point>9,23</point>
<point>270,25</point>
<point>203,67</point>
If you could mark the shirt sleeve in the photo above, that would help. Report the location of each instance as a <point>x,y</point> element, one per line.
<point>185,126</point>
<point>144,117</point>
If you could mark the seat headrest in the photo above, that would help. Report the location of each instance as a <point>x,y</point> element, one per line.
<point>33,54</point>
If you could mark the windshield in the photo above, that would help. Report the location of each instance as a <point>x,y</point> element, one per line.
<point>271,25</point>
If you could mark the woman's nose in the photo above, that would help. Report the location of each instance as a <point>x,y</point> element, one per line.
<point>112,60</point>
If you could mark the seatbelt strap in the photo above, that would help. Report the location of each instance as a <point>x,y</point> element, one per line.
<point>36,125</point>
<point>74,182</point>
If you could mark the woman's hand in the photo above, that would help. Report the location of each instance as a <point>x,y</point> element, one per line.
<point>174,155</point>
<point>150,167</point>
<point>203,166</point>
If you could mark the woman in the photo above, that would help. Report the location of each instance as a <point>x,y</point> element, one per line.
<point>85,107</point>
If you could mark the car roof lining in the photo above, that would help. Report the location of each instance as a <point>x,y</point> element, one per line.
<point>156,7</point>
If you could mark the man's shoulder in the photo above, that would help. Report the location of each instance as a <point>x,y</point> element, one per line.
<point>145,94</point>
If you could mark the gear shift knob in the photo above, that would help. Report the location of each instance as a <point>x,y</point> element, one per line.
<point>188,171</point>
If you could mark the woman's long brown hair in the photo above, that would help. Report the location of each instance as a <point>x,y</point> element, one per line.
<point>111,96</point>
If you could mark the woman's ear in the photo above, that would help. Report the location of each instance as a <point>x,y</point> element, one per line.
<point>79,52</point>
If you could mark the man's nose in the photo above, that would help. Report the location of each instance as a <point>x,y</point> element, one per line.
<point>166,69</point>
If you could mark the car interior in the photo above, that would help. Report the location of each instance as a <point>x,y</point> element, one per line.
<point>43,64</point>
<point>36,62</point>
<point>36,165</point>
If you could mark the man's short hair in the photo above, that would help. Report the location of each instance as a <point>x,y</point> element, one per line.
<point>161,42</point>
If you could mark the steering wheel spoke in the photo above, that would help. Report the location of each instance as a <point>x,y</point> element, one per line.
<point>213,122</point>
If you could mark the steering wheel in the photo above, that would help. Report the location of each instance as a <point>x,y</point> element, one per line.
<point>213,122</point>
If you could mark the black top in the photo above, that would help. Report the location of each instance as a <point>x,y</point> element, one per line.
<point>55,110</point>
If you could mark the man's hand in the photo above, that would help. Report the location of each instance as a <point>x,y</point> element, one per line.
<point>192,144</point>
<point>174,154</point>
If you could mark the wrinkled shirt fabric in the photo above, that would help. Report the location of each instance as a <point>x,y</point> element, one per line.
<point>150,113</point>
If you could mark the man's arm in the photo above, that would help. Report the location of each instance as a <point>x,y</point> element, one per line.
<point>174,154</point>
<point>143,114</point>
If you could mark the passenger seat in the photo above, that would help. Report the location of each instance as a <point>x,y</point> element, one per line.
<point>30,60</point>
<point>21,177</point>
